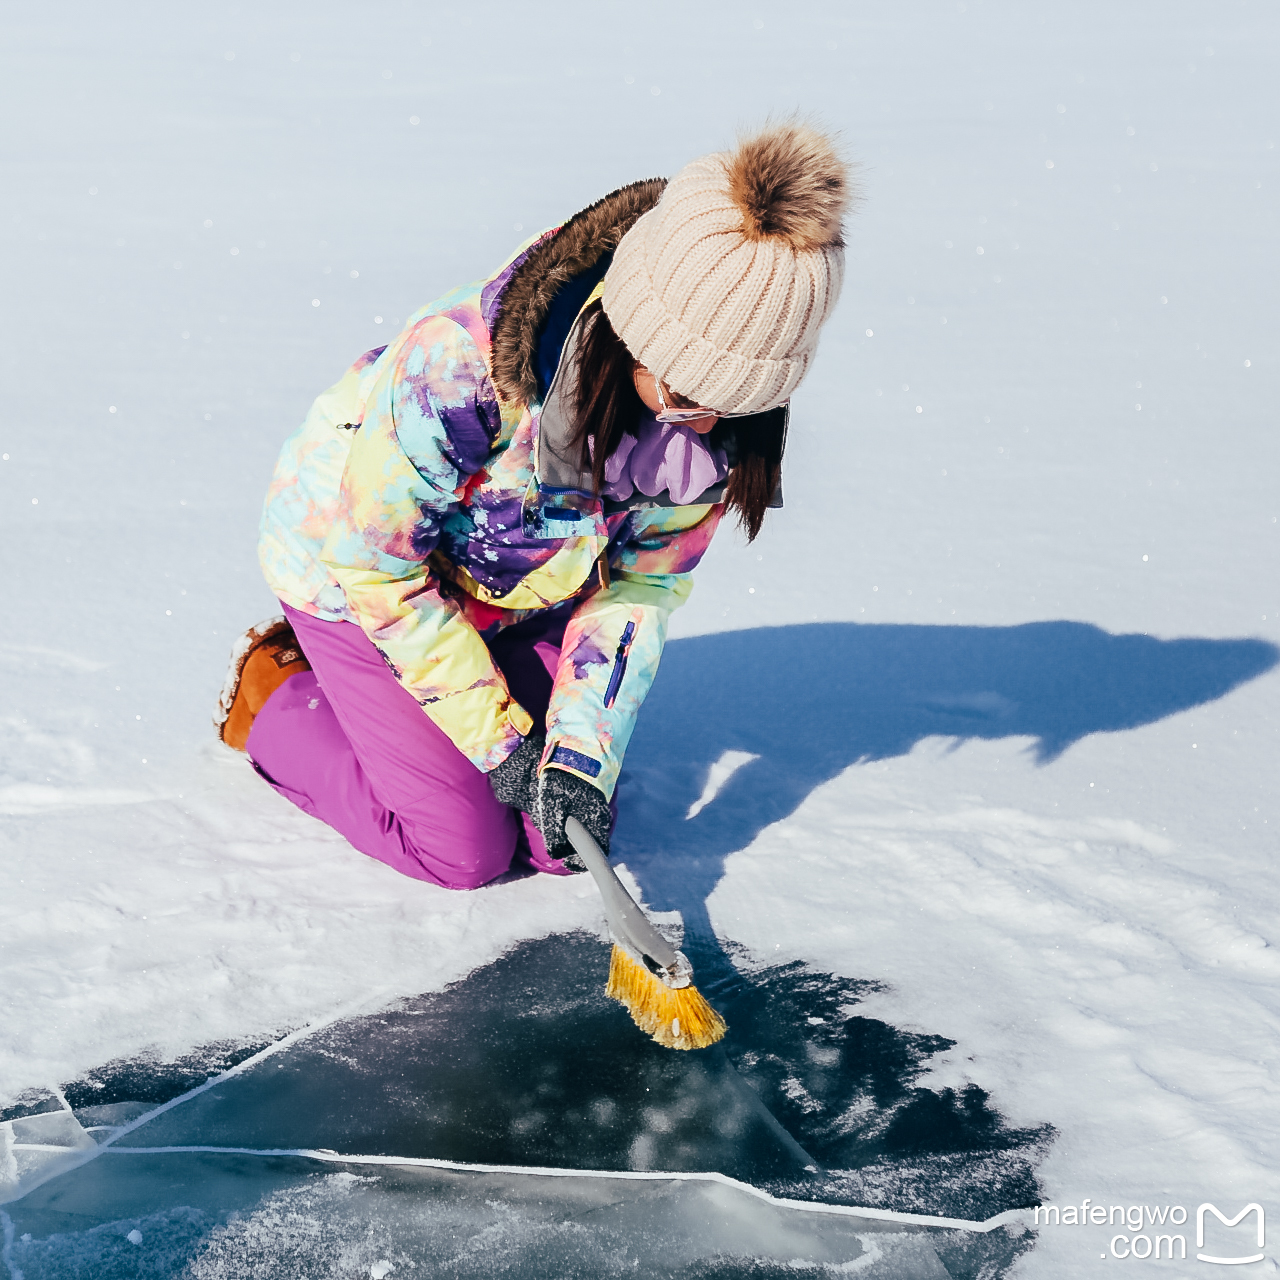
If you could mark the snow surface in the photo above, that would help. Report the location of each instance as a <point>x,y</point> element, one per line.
<point>1047,395</point>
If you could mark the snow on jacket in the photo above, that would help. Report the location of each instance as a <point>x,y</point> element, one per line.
<point>431,496</point>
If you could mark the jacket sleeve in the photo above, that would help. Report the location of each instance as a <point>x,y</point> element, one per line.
<point>429,425</point>
<point>615,638</point>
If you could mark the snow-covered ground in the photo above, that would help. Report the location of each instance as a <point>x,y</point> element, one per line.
<point>1046,398</point>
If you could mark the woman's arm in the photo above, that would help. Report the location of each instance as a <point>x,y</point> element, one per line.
<point>430,423</point>
<point>615,638</point>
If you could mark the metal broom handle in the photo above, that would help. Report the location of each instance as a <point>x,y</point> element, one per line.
<point>631,927</point>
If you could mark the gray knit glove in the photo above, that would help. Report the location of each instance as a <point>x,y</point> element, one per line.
<point>560,794</point>
<point>515,780</point>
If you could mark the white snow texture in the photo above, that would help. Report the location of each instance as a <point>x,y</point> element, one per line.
<point>1048,394</point>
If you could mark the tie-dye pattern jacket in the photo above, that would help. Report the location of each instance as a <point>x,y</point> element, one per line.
<point>418,500</point>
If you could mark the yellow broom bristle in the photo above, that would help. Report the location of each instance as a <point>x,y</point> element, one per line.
<point>677,1018</point>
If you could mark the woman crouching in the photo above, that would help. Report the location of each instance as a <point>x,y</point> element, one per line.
<point>479,533</point>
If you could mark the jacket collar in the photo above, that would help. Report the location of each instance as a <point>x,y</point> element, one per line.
<point>532,320</point>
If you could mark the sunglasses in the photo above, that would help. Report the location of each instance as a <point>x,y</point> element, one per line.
<point>669,413</point>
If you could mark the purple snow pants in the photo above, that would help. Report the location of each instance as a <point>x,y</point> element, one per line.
<point>349,746</point>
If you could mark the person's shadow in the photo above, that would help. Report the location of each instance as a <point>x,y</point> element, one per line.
<point>809,701</point>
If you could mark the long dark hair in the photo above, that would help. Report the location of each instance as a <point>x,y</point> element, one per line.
<point>609,407</point>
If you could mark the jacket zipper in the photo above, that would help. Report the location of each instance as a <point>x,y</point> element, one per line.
<point>619,663</point>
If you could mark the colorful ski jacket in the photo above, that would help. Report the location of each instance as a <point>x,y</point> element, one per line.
<point>431,497</point>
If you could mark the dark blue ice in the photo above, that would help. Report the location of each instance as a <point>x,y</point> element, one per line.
<point>300,1163</point>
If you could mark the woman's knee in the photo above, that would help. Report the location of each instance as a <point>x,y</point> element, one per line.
<point>465,857</point>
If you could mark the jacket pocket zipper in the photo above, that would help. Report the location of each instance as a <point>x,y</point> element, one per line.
<point>619,663</point>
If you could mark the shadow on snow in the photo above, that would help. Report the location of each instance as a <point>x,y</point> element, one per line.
<point>810,700</point>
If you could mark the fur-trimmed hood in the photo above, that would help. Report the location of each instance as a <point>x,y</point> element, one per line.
<point>562,257</point>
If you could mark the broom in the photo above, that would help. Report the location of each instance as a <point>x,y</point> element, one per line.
<point>647,975</point>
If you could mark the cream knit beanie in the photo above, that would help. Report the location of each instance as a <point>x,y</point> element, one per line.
<point>721,288</point>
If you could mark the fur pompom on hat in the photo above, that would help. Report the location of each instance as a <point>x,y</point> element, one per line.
<point>721,288</point>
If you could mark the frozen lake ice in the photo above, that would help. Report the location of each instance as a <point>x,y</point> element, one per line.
<point>394,1132</point>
